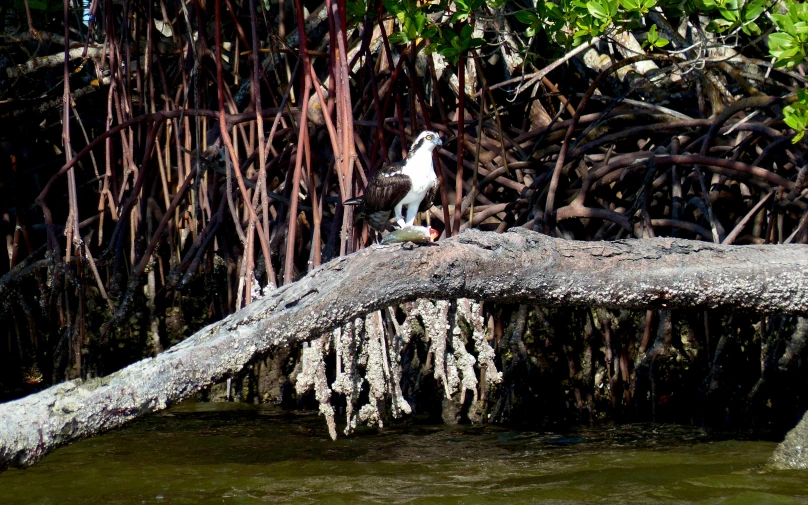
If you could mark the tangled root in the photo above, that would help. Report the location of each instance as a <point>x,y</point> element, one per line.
<point>369,355</point>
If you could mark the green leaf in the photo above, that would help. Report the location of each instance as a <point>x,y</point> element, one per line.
<point>526,17</point>
<point>788,49</point>
<point>398,38</point>
<point>454,41</point>
<point>730,14</point>
<point>780,39</point>
<point>38,5</point>
<point>597,10</point>
<point>429,32</point>
<point>795,115</point>
<point>356,9</point>
<point>754,9</point>
<point>631,5</point>
<point>449,53</point>
<point>393,6</point>
<point>751,29</point>
<point>792,121</point>
<point>412,32</point>
<point>466,32</point>
<point>419,20</point>
<point>720,25</point>
<point>790,53</point>
<point>784,23</point>
<point>552,11</point>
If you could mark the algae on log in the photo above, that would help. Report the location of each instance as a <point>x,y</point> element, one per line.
<point>519,266</point>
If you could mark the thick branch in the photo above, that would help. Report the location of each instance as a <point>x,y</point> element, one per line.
<point>522,265</point>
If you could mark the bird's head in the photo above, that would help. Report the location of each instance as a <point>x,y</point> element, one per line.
<point>427,140</point>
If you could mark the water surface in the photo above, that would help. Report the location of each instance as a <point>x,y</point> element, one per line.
<point>238,454</point>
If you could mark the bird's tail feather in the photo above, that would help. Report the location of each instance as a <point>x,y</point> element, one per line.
<point>359,214</point>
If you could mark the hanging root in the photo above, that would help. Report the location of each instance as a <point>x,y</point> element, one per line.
<point>369,355</point>
<point>472,312</point>
<point>400,336</point>
<point>348,381</point>
<point>312,375</point>
<point>377,372</point>
<point>436,320</point>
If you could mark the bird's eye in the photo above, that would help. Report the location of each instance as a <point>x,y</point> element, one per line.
<point>429,137</point>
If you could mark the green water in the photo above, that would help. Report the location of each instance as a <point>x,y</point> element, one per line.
<point>226,454</point>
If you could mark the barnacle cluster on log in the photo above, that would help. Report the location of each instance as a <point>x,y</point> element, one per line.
<point>368,356</point>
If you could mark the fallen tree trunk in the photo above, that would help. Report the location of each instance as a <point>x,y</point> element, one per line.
<point>522,265</point>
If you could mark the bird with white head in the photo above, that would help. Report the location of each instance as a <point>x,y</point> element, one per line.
<point>409,183</point>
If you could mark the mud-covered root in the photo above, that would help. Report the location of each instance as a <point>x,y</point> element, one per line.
<point>369,359</point>
<point>313,376</point>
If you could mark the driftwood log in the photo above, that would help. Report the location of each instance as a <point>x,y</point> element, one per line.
<point>521,265</point>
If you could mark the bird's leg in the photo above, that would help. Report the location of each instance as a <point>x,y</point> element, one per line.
<point>412,211</point>
<point>399,217</point>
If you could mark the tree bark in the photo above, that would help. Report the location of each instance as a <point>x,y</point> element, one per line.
<point>517,266</point>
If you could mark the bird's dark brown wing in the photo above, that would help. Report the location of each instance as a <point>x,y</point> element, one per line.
<point>386,187</point>
<point>429,198</point>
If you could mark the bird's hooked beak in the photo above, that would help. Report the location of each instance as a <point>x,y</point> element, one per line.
<point>438,142</point>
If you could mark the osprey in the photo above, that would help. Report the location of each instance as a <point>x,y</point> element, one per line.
<point>410,183</point>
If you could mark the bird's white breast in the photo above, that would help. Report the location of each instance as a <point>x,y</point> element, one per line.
<point>420,171</point>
